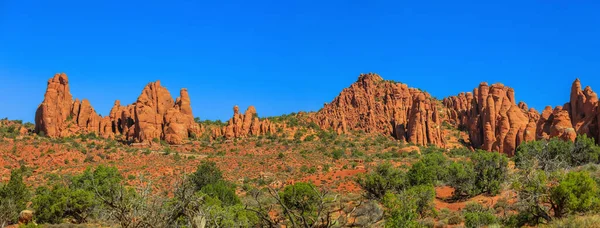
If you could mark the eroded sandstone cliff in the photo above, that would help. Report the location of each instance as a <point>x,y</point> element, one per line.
<point>496,123</point>
<point>153,116</point>
<point>374,105</point>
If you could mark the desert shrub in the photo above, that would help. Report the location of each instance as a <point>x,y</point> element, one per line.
<point>576,193</point>
<point>421,174</point>
<point>102,181</point>
<point>462,177</point>
<point>584,151</point>
<point>58,202</point>
<point>14,196</point>
<point>337,154</point>
<point>491,170</point>
<point>223,191</point>
<point>206,173</point>
<point>555,153</point>
<point>438,163</point>
<point>476,215</point>
<point>423,196</point>
<point>385,178</point>
<point>401,211</point>
<point>300,196</point>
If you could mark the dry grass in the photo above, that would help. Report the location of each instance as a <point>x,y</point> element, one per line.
<point>588,221</point>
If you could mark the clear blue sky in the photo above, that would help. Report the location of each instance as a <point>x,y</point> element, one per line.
<point>289,56</point>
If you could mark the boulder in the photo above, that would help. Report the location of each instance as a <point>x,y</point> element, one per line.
<point>25,217</point>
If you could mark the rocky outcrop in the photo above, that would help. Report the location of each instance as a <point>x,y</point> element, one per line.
<point>52,115</point>
<point>374,105</point>
<point>495,123</point>
<point>153,116</point>
<point>244,125</point>
<point>576,117</point>
<point>492,118</point>
<point>583,110</point>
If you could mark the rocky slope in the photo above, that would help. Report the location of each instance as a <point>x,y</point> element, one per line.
<point>495,122</point>
<point>153,115</point>
<point>374,105</point>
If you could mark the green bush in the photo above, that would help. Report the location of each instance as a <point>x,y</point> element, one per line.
<point>14,196</point>
<point>401,211</point>
<point>302,197</point>
<point>52,205</point>
<point>584,151</point>
<point>384,179</point>
<point>462,178</point>
<point>476,215</point>
<point>423,196</point>
<point>223,191</point>
<point>557,154</point>
<point>421,174</point>
<point>576,193</point>
<point>206,173</point>
<point>102,181</point>
<point>337,154</point>
<point>491,169</point>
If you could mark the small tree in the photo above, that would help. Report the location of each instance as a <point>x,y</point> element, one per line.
<point>401,211</point>
<point>491,169</point>
<point>423,196</point>
<point>207,173</point>
<point>384,179</point>
<point>52,205</point>
<point>584,151</point>
<point>421,174</point>
<point>577,192</point>
<point>301,204</point>
<point>13,198</point>
<point>531,186</point>
<point>223,191</point>
<point>463,178</point>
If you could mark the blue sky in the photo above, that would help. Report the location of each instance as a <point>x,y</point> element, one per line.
<point>289,56</point>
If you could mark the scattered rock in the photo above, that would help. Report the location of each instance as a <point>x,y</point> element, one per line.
<point>25,217</point>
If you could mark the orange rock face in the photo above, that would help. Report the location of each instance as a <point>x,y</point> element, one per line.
<point>493,119</point>
<point>51,116</point>
<point>583,109</point>
<point>374,105</point>
<point>153,116</point>
<point>496,123</point>
<point>243,125</point>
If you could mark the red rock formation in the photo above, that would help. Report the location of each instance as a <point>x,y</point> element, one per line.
<point>153,116</point>
<point>51,116</point>
<point>374,105</point>
<point>495,123</point>
<point>598,124</point>
<point>582,109</point>
<point>493,119</point>
<point>243,125</point>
